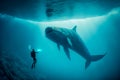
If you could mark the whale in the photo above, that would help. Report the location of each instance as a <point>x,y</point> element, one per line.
<point>70,39</point>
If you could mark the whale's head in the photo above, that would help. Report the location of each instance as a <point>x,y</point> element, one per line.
<point>53,33</point>
<point>48,31</point>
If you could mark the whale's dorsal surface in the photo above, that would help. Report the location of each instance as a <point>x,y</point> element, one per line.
<point>69,39</point>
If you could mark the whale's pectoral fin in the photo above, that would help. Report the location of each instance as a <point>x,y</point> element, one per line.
<point>67,52</point>
<point>69,42</point>
<point>58,45</point>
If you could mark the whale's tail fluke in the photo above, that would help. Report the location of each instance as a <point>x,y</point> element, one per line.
<point>92,59</point>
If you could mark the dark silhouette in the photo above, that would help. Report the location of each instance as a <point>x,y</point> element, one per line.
<point>33,55</point>
<point>70,39</point>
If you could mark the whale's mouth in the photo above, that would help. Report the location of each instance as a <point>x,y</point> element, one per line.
<point>48,30</point>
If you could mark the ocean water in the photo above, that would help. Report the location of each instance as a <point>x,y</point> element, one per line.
<point>100,34</point>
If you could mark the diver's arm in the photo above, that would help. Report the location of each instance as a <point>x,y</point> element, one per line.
<point>36,52</point>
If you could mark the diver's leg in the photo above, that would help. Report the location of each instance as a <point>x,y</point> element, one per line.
<point>34,62</point>
<point>32,65</point>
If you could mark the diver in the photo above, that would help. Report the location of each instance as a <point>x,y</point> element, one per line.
<point>33,55</point>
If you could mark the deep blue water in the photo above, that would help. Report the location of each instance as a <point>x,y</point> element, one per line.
<point>100,34</point>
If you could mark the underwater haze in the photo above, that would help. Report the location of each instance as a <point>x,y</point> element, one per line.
<point>100,34</point>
